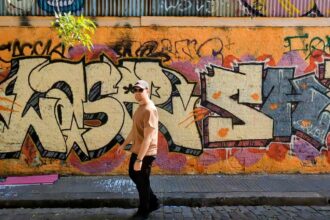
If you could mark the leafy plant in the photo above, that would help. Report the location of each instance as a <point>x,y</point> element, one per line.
<point>74,30</point>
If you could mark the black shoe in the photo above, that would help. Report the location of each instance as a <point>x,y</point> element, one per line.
<point>140,215</point>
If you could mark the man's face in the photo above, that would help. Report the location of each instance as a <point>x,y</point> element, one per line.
<point>140,94</point>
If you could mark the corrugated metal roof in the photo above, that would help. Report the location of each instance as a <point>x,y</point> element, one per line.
<point>227,8</point>
<point>181,8</point>
<point>286,8</point>
<point>222,8</point>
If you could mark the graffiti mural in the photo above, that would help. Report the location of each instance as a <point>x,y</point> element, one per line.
<point>309,46</point>
<point>179,6</point>
<point>39,48</point>
<point>136,8</point>
<point>61,5</point>
<point>227,102</point>
<point>237,120</point>
<point>167,50</point>
<point>66,106</point>
<point>73,120</point>
<point>286,8</point>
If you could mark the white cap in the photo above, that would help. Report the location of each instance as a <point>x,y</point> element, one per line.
<point>141,84</point>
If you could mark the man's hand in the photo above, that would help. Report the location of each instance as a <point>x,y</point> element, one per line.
<point>127,141</point>
<point>137,166</point>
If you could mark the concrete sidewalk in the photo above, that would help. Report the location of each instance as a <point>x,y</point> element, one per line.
<point>194,190</point>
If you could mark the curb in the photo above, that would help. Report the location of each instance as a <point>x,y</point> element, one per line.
<point>177,199</point>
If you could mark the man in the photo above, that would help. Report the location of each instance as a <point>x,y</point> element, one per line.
<point>144,138</point>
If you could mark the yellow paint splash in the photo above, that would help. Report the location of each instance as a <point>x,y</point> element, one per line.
<point>289,7</point>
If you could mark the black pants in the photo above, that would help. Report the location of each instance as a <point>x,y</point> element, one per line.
<point>142,182</point>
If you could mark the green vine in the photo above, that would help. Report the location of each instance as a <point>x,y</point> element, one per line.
<point>74,30</point>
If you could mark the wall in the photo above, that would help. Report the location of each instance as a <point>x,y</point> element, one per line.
<point>230,99</point>
<point>223,8</point>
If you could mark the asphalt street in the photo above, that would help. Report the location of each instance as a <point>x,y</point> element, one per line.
<point>174,212</point>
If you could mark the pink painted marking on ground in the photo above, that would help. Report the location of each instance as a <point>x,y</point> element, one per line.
<point>21,180</point>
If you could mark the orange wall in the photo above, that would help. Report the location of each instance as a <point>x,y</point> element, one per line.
<point>231,100</point>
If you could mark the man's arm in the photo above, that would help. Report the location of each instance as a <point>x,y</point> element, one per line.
<point>144,147</point>
<point>147,132</point>
<point>127,141</point>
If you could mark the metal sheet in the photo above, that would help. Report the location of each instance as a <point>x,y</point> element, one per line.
<point>287,8</point>
<point>182,7</point>
<point>16,8</point>
<point>2,8</point>
<point>227,8</point>
<point>222,8</point>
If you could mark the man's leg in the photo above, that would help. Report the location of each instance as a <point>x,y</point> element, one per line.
<point>141,178</point>
<point>143,184</point>
<point>153,200</point>
<point>148,200</point>
<point>131,172</point>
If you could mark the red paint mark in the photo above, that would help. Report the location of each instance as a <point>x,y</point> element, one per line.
<point>328,156</point>
<point>198,114</point>
<point>230,60</point>
<point>200,110</point>
<point>4,75</point>
<point>93,123</point>
<point>223,132</point>
<point>29,150</point>
<point>327,153</point>
<point>10,101</point>
<point>273,106</point>
<point>316,57</point>
<point>328,139</point>
<point>305,123</point>
<point>5,109</point>
<point>216,95</point>
<point>278,151</point>
<point>268,59</point>
<point>255,96</point>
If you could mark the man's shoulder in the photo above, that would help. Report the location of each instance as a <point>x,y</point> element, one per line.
<point>151,107</point>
